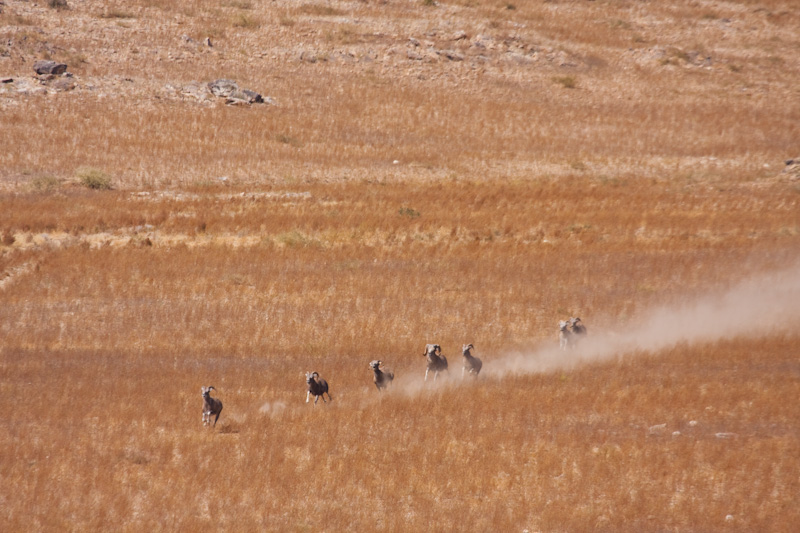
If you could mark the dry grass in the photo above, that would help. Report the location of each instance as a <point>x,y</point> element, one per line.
<point>411,186</point>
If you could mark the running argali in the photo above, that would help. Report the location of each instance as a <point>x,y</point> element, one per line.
<point>316,386</point>
<point>383,378</point>
<point>211,406</point>
<point>472,364</point>
<point>436,361</point>
<point>578,329</point>
<point>564,335</point>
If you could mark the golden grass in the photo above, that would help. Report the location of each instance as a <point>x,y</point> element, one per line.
<point>384,203</point>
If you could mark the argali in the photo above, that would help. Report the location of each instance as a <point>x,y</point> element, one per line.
<point>472,364</point>
<point>578,329</point>
<point>382,378</point>
<point>211,406</point>
<point>564,335</point>
<point>436,361</point>
<point>316,386</point>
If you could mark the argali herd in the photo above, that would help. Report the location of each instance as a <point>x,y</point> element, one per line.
<point>570,333</point>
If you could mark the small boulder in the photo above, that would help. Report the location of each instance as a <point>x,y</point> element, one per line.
<point>47,66</point>
<point>244,96</point>
<point>233,95</point>
<point>223,88</point>
<point>792,169</point>
<point>63,85</point>
<point>252,96</point>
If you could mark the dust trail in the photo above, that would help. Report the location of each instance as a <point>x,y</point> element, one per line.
<point>762,305</point>
<point>759,306</point>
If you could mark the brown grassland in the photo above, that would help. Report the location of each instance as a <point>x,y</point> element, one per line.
<point>441,172</point>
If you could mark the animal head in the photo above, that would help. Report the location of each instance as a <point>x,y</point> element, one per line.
<point>206,390</point>
<point>432,349</point>
<point>311,377</point>
<point>374,365</point>
<point>562,325</point>
<point>466,348</point>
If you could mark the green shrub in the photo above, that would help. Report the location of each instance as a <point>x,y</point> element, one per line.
<point>94,179</point>
<point>568,82</point>
<point>45,183</point>
<point>408,212</point>
<point>245,21</point>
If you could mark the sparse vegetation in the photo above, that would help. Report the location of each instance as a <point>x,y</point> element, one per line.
<point>288,139</point>
<point>568,82</point>
<point>394,197</point>
<point>45,183</point>
<point>320,10</point>
<point>56,4</point>
<point>408,212</point>
<point>246,21</point>
<point>93,178</point>
<point>115,13</point>
<point>239,4</point>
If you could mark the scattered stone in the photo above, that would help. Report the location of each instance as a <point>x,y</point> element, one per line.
<point>208,42</point>
<point>47,66</point>
<point>252,96</point>
<point>7,80</point>
<point>792,168</point>
<point>244,96</point>
<point>724,435</point>
<point>63,85</point>
<point>451,55</point>
<point>223,88</point>
<point>233,95</point>
<point>459,35</point>
<point>696,58</point>
<point>657,429</point>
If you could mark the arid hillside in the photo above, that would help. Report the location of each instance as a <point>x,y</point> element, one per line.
<point>236,194</point>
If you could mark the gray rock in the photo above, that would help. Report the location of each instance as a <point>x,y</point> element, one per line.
<point>222,87</point>
<point>451,55</point>
<point>230,90</point>
<point>46,66</point>
<point>253,96</point>
<point>244,96</point>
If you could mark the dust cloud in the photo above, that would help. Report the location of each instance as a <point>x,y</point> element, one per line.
<point>759,306</point>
